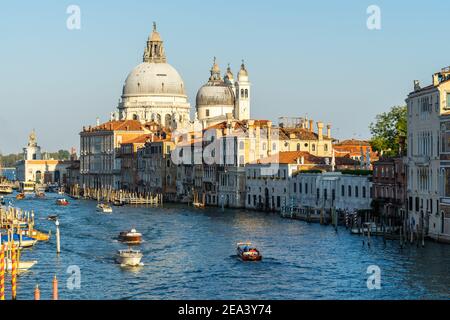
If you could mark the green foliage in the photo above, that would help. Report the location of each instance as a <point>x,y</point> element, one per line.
<point>389,130</point>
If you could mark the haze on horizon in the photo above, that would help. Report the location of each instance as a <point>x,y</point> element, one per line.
<point>316,59</point>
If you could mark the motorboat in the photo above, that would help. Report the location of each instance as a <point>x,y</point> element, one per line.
<point>129,258</point>
<point>130,237</point>
<point>62,202</point>
<point>36,234</point>
<point>19,240</point>
<point>105,208</point>
<point>247,252</point>
<point>6,189</point>
<point>20,196</point>
<point>22,267</point>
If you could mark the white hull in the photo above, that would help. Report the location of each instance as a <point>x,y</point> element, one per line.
<point>129,259</point>
<point>23,265</point>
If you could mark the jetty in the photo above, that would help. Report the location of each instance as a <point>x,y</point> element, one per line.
<point>121,197</point>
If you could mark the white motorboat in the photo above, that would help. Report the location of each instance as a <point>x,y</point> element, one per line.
<point>129,258</point>
<point>105,208</point>
<point>23,265</point>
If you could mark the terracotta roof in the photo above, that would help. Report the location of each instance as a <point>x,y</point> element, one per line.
<point>290,157</point>
<point>353,142</point>
<point>300,133</point>
<point>121,125</point>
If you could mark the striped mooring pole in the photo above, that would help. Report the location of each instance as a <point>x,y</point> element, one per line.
<point>13,273</point>
<point>2,272</point>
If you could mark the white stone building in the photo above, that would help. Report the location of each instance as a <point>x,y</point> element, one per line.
<point>329,190</point>
<point>425,107</point>
<point>154,91</point>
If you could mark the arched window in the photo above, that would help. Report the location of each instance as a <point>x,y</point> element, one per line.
<point>349,191</point>
<point>241,145</point>
<point>326,147</point>
<point>264,146</point>
<point>274,147</point>
<point>313,147</point>
<point>298,146</point>
<point>246,93</point>
<point>242,93</point>
<point>356,192</point>
<point>135,117</point>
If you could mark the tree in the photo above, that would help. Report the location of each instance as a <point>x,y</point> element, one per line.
<point>389,131</point>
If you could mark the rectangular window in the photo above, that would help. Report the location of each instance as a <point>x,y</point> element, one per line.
<point>300,187</point>
<point>448,100</point>
<point>306,188</point>
<point>342,191</point>
<point>207,112</point>
<point>278,201</point>
<point>295,187</point>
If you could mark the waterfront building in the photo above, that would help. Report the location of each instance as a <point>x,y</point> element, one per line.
<point>342,191</point>
<point>444,181</point>
<point>389,187</point>
<point>425,107</point>
<point>128,155</point>
<point>100,166</point>
<point>154,90</point>
<point>298,134</point>
<point>33,167</point>
<point>156,171</point>
<point>268,180</point>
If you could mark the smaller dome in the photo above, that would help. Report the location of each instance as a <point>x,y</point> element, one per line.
<point>229,77</point>
<point>243,74</point>
<point>215,95</point>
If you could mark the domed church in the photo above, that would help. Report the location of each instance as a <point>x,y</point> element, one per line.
<point>154,90</point>
<point>220,99</point>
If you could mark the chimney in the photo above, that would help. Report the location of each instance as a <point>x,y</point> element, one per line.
<point>320,130</point>
<point>329,131</point>
<point>436,79</point>
<point>311,125</point>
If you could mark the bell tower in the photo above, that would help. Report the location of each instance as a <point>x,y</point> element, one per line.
<point>242,108</point>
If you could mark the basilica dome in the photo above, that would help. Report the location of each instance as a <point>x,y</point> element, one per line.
<point>214,95</point>
<point>150,78</point>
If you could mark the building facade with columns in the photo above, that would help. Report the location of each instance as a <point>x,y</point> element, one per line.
<point>426,107</point>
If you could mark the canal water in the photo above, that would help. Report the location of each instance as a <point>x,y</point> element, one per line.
<point>190,254</point>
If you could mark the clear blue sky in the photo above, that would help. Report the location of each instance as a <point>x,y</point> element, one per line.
<point>314,58</point>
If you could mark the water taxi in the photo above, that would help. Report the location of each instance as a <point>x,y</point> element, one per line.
<point>129,258</point>
<point>5,189</point>
<point>20,196</point>
<point>36,234</point>
<point>27,186</point>
<point>103,207</point>
<point>62,202</point>
<point>130,237</point>
<point>247,252</point>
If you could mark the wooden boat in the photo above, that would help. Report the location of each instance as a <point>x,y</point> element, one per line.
<point>247,252</point>
<point>62,202</point>
<point>130,237</point>
<point>20,196</point>
<point>129,257</point>
<point>6,189</point>
<point>105,208</point>
<point>20,241</point>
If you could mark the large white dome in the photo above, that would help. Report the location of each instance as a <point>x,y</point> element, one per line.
<point>153,79</point>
